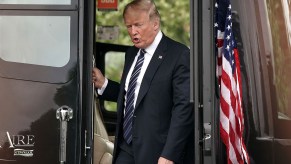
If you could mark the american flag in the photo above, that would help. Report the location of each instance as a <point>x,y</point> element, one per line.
<point>228,74</point>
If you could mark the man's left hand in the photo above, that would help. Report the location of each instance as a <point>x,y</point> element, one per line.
<point>164,161</point>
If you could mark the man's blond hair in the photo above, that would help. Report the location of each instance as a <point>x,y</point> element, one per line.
<point>144,5</point>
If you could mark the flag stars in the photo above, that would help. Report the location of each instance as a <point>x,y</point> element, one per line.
<point>216,5</point>
<point>215,24</point>
<point>227,47</point>
<point>230,47</point>
<point>227,37</point>
<point>228,27</point>
<point>229,6</point>
<point>229,17</point>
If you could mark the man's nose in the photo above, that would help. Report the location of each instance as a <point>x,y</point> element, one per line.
<point>133,30</point>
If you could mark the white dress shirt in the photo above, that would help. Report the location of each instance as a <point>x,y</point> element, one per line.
<point>150,50</point>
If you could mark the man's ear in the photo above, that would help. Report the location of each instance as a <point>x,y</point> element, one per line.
<point>156,24</point>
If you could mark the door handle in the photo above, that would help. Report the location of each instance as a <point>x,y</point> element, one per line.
<point>64,114</point>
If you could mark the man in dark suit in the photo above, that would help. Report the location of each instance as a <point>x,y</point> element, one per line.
<point>154,116</point>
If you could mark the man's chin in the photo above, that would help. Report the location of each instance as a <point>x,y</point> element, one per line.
<point>137,45</point>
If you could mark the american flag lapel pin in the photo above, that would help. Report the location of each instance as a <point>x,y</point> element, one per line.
<point>160,57</point>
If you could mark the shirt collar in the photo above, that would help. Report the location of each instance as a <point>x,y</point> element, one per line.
<point>152,48</point>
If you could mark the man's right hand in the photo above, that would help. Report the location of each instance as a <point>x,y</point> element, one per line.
<point>98,78</point>
<point>164,161</point>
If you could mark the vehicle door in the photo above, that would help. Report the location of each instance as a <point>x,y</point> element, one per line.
<point>39,82</point>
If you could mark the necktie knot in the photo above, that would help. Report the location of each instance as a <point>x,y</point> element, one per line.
<point>142,52</point>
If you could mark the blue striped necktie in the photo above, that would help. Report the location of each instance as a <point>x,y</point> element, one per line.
<point>129,106</point>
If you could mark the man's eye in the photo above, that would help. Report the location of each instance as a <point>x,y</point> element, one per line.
<point>139,25</point>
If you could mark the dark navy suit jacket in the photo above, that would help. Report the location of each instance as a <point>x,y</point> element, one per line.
<point>163,119</point>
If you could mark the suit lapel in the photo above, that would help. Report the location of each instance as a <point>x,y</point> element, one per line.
<point>153,66</point>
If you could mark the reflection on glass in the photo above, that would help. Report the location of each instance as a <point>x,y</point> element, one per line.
<point>286,4</point>
<point>43,2</point>
<point>279,66</point>
<point>39,40</point>
<point>114,62</point>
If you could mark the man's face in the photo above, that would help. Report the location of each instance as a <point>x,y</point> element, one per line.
<point>140,28</point>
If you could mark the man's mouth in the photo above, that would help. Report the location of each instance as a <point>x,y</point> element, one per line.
<point>135,40</point>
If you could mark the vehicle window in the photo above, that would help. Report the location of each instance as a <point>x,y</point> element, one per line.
<point>55,2</point>
<point>114,62</point>
<point>279,61</point>
<point>38,40</point>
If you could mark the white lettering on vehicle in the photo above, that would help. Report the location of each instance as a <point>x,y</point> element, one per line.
<point>17,141</point>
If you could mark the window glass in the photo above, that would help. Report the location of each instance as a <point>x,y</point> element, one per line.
<point>52,2</point>
<point>114,62</point>
<point>38,40</point>
<point>279,61</point>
